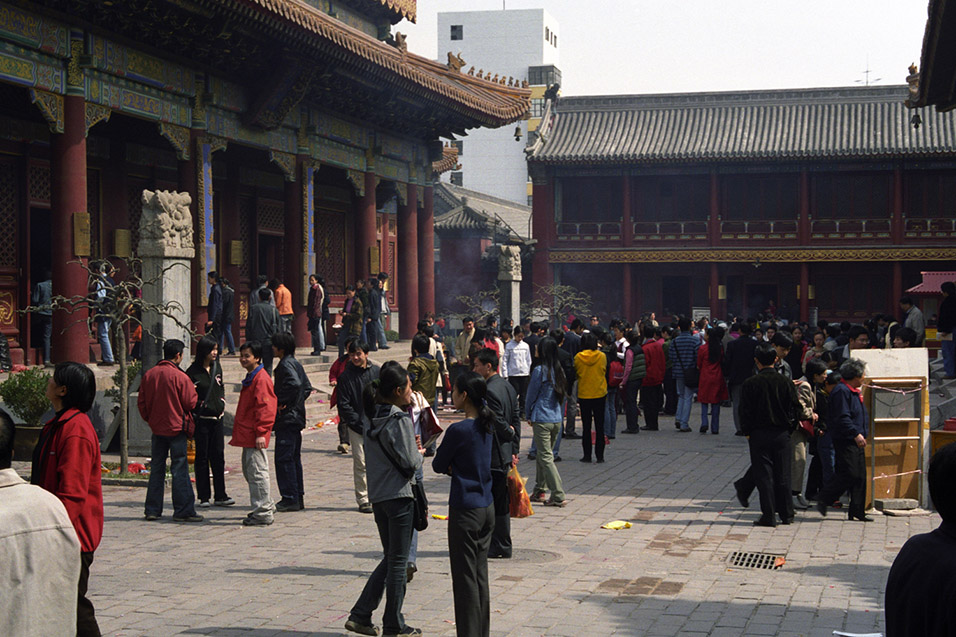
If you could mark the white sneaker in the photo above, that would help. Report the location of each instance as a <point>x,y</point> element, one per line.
<point>204,504</point>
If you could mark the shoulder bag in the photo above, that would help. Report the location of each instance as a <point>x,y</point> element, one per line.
<point>420,516</point>
<point>692,375</point>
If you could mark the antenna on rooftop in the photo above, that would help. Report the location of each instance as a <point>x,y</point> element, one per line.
<point>866,75</point>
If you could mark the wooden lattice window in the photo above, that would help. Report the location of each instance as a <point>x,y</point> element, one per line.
<point>8,214</point>
<point>330,252</point>
<point>270,215</point>
<point>247,216</point>
<point>38,176</point>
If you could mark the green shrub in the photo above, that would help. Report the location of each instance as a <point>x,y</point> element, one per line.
<point>25,394</point>
<point>133,368</point>
<point>391,335</point>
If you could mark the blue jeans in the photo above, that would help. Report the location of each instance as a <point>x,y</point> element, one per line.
<point>225,338</point>
<point>44,324</point>
<point>827,458</point>
<point>394,521</point>
<point>382,340</point>
<point>184,501</point>
<point>714,417</point>
<point>949,357</point>
<point>103,337</point>
<point>685,400</point>
<point>554,450</point>
<point>610,413</point>
<point>288,461</point>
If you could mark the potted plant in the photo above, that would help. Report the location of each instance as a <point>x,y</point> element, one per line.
<point>24,393</point>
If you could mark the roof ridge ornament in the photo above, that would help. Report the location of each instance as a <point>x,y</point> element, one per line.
<point>455,62</point>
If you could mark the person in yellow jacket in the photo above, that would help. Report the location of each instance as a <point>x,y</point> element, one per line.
<point>590,365</point>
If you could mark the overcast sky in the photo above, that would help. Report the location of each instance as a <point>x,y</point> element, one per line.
<point>664,46</point>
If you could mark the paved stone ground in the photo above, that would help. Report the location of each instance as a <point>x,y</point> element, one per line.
<point>667,575</point>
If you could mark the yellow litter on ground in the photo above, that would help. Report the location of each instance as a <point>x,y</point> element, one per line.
<point>436,516</point>
<point>616,525</point>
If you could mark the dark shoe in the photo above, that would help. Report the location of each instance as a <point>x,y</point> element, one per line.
<point>539,497</point>
<point>762,522</point>
<point>684,431</point>
<point>365,507</point>
<point>741,498</point>
<point>646,428</point>
<point>572,436</point>
<point>499,556</point>
<point>256,522</point>
<point>532,456</point>
<point>188,518</point>
<point>385,347</point>
<point>629,431</point>
<point>429,452</point>
<point>861,518</point>
<point>739,433</point>
<point>361,629</point>
<point>557,458</point>
<point>408,630</point>
<point>287,505</point>
<point>600,460</point>
<point>105,364</point>
<point>556,503</point>
<point>703,430</point>
<point>225,502</point>
<point>786,520</point>
<point>301,504</point>
<point>410,570</point>
<point>715,433</point>
<point>588,460</point>
<point>152,518</point>
<point>314,353</point>
<point>822,508</point>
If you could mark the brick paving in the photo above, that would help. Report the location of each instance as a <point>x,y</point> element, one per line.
<point>667,575</point>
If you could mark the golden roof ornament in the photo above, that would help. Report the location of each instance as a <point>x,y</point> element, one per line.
<point>455,62</point>
<point>471,71</point>
<point>481,73</point>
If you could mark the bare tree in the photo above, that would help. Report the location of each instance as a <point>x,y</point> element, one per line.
<point>554,302</point>
<point>478,305</point>
<point>122,302</point>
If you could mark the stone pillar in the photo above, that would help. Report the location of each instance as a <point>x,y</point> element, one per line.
<point>167,249</point>
<point>426,253</point>
<point>365,229</point>
<point>509,283</point>
<point>408,263</point>
<point>804,291</point>
<point>71,239</point>
<point>292,276</point>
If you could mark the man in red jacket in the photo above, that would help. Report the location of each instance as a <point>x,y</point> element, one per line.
<point>652,390</point>
<point>166,398</point>
<point>255,417</point>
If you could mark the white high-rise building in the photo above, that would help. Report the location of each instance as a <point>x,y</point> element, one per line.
<point>523,45</point>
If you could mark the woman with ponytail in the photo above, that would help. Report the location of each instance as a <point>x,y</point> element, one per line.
<point>546,392</point>
<point>391,459</point>
<point>465,455</point>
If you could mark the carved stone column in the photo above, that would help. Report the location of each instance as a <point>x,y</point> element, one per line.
<point>509,283</point>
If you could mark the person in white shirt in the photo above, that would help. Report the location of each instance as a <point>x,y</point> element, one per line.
<point>517,363</point>
<point>620,343</point>
<point>39,551</point>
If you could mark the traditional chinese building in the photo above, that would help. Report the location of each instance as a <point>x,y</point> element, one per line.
<point>816,198</point>
<point>304,131</point>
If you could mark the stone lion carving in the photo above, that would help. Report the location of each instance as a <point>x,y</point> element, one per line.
<point>509,263</point>
<point>166,219</point>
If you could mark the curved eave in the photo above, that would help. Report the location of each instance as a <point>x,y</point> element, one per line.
<point>448,161</point>
<point>487,103</point>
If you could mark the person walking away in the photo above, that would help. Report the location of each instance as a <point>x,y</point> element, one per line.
<point>43,318</point>
<point>465,455</point>
<point>205,373</point>
<point>166,399</point>
<point>225,324</point>
<point>423,369</point>
<point>251,430</point>
<point>292,388</point>
<point>352,319</point>
<point>66,462</point>
<point>847,421</point>
<point>652,388</point>
<point>635,370</point>
<point>359,373</point>
<point>615,379</point>
<point>738,367</point>
<point>263,284</point>
<point>417,409</point>
<point>712,389</point>
<point>40,553</point>
<point>572,345</point>
<point>262,324</point>
<point>503,403</point>
<point>683,352</point>
<point>283,297</point>
<point>334,372</point>
<point>945,325</point>
<point>214,308</point>
<point>590,365</point>
<point>394,458</point>
<point>104,289</point>
<point>547,390</point>
<point>517,364</point>
<point>314,313</point>
<point>372,302</point>
<point>799,439</point>
<point>671,399</point>
<point>768,407</point>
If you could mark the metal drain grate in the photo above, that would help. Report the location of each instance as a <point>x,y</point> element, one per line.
<point>766,561</point>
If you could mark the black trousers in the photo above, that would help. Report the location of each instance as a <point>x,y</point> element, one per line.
<point>469,537</point>
<point>769,473</point>
<point>288,461</point>
<point>266,355</point>
<point>86,625</point>
<point>592,409</point>
<point>631,390</point>
<point>501,537</point>
<point>520,383</point>
<point>652,400</point>
<point>850,475</point>
<point>670,394</point>
<point>210,446</point>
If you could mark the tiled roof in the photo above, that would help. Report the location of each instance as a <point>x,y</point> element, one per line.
<point>755,125</point>
<point>937,68</point>
<point>490,103</point>
<point>513,218</point>
<point>931,282</point>
<point>448,161</point>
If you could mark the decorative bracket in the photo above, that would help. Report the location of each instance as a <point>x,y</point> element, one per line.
<point>288,86</point>
<point>357,177</point>
<point>51,106</point>
<point>401,189</point>
<point>178,136</point>
<point>285,162</point>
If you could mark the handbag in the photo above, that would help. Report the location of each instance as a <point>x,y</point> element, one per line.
<point>692,375</point>
<point>420,515</point>
<point>807,426</point>
<point>616,374</point>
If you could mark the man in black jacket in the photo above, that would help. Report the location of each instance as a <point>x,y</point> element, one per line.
<point>738,366</point>
<point>225,321</point>
<point>292,387</point>
<point>768,410</point>
<point>358,375</point>
<point>946,325</point>
<point>263,322</point>
<point>503,402</point>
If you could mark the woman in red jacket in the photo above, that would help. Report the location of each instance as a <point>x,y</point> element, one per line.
<point>66,462</point>
<point>712,389</point>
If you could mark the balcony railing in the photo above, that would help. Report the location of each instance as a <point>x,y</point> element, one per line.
<point>850,229</point>
<point>589,231</point>
<point>668,230</point>
<point>929,228</point>
<point>759,229</point>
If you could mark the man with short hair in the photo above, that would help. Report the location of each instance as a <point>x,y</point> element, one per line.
<point>683,352</point>
<point>39,551</point>
<point>359,373</point>
<point>214,309</point>
<point>913,319</point>
<point>463,342</point>
<point>292,387</point>
<point>225,323</point>
<point>314,313</point>
<point>384,310</point>
<point>263,322</point>
<point>738,366</point>
<point>373,310</point>
<point>945,326</point>
<point>782,344</point>
<point>905,337</point>
<point>166,398</point>
<point>857,338</point>
<point>652,389</point>
<point>263,284</point>
<point>41,297</point>
<point>920,596</point>
<point>105,291</point>
<point>283,299</point>
<point>502,400</point>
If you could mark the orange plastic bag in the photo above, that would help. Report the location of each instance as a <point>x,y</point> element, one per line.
<point>520,504</point>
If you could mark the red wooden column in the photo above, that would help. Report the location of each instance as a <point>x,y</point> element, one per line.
<point>71,338</point>
<point>897,223</point>
<point>804,291</point>
<point>365,234</point>
<point>627,224</point>
<point>803,222</point>
<point>408,263</point>
<point>714,287</point>
<point>426,254</point>
<point>292,245</point>
<point>542,229</point>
